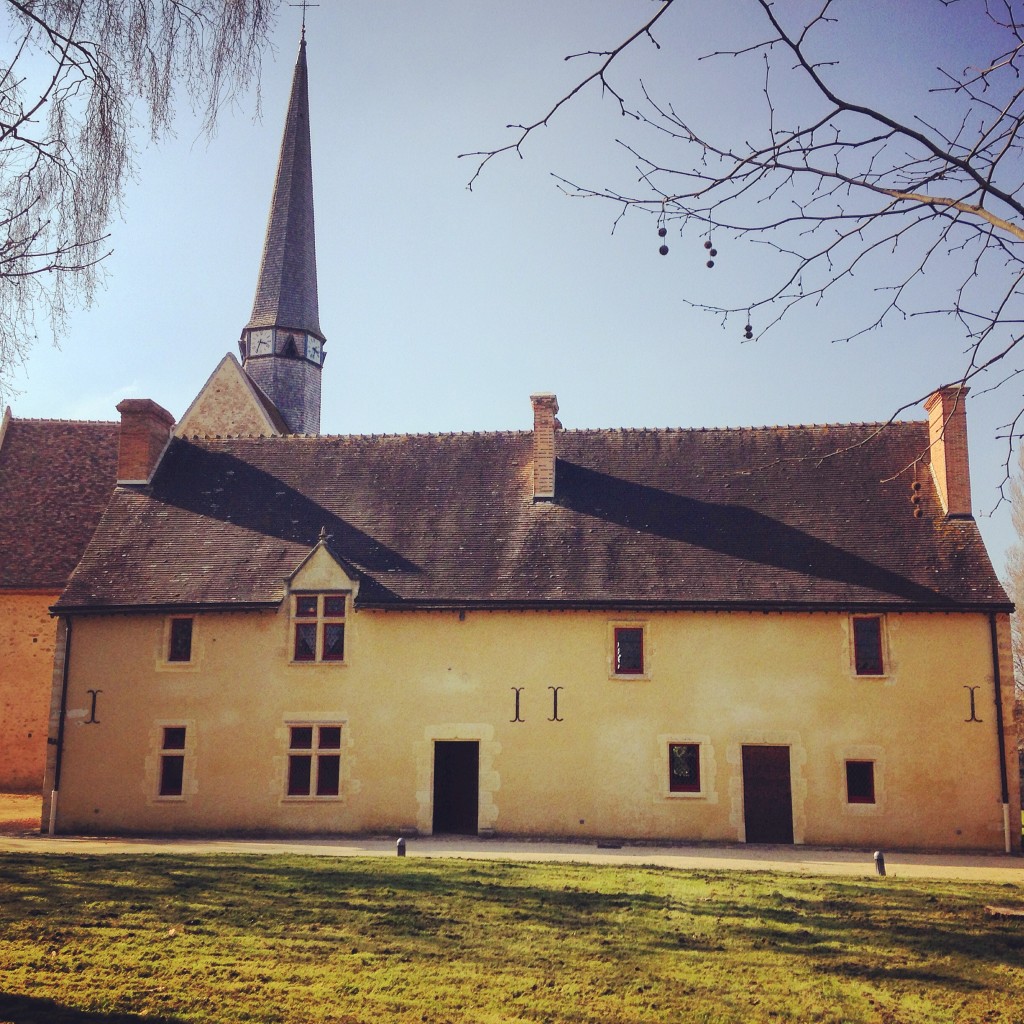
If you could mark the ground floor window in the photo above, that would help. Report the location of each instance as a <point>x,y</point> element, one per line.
<point>314,760</point>
<point>172,761</point>
<point>860,782</point>
<point>684,767</point>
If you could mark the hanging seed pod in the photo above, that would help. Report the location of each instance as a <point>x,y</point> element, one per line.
<point>663,250</point>
<point>710,264</point>
<point>707,244</point>
<point>713,252</point>
<point>662,232</point>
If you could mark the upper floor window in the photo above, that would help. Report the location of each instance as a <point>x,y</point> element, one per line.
<point>628,652</point>
<point>179,644</point>
<point>868,659</point>
<point>319,627</point>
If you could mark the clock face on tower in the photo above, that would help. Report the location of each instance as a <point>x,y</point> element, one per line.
<point>313,349</point>
<point>261,343</point>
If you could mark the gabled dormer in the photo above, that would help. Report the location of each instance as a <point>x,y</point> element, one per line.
<point>230,405</point>
<point>321,595</point>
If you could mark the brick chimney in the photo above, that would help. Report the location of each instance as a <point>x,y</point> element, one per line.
<point>947,439</point>
<point>145,432</point>
<point>545,406</point>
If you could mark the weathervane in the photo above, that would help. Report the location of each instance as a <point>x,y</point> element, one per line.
<point>304,5</point>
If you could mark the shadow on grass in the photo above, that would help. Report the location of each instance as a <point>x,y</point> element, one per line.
<point>30,1010</point>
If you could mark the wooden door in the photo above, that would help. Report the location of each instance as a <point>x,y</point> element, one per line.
<point>456,786</point>
<point>767,795</point>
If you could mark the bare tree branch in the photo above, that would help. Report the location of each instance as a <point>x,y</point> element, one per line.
<point>915,209</point>
<point>80,81</point>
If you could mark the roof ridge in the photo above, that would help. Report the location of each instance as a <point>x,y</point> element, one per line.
<point>767,426</point>
<point>521,432</point>
<point>60,419</point>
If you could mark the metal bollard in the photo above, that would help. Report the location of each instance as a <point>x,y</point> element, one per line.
<point>400,848</point>
<point>880,862</point>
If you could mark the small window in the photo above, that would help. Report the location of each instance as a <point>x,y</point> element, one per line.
<point>179,646</point>
<point>860,782</point>
<point>684,767</point>
<point>319,627</point>
<point>867,645</point>
<point>172,761</point>
<point>629,650</point>
<point>314,760</point>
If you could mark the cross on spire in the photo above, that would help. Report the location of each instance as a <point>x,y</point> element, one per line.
<point>304,5</point>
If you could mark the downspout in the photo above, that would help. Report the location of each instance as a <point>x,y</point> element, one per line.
<point>998,687</point>
<point>60,728</point>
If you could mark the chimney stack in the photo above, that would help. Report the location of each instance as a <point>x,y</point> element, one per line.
<point>545,406</point>
<point>145,433</point>
<point>947,439</point>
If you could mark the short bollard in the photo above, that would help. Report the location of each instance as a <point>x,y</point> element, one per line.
<point>400,848</point>
<point>880,862</point>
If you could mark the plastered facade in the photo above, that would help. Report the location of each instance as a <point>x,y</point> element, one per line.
<point>566,747</point>
<point>27,635</point>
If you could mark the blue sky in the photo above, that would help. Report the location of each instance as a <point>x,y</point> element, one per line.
<point>444,308</point>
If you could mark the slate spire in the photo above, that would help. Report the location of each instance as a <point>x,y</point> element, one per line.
<point>282,344</point>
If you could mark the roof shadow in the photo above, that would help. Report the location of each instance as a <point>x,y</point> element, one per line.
<point>733,530</point>
<point>235,491</point>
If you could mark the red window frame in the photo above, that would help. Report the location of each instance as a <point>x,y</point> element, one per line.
<point>626,645</point>
<point>678,754</point>
<point>860,782</point>
<point>172,761</point>
<point>319,627</point>
<point>314,760</point>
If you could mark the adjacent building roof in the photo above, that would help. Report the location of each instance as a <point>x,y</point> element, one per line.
<point>55,479</point>
<point>718,519</point>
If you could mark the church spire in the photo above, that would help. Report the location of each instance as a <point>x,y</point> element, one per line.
<point>282,344</point>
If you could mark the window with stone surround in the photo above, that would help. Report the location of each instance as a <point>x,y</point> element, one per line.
<point>868,645</point>
<point>318,627</point>
<point>860,782</point>
<point>314,760</point>
<point>629,650</point>
<point>179,640</point>
<point>172,761</point>
<point>684,768</point>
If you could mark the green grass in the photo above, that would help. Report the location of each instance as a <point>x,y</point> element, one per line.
<point>114,940</point>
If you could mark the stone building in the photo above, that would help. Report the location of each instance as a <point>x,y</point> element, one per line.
<point>728,635</point>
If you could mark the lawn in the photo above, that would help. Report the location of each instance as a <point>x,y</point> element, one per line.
<point>114,940</point>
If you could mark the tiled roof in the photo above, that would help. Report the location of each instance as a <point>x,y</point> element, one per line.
<point>55,479</point>
<point>753,518</point>
<point>286,295</point>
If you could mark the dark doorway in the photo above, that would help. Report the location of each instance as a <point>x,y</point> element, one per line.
<point>767,795</point>
<point>456,786</point>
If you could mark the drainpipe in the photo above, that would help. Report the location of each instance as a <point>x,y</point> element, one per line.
<point>60,728</point>
<point>998,687</point>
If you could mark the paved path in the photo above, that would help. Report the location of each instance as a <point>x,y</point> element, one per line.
<point>798,859</point>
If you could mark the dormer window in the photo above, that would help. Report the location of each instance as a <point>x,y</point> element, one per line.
<point>318,627</point>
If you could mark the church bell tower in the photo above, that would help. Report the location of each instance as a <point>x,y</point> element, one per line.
<point>282,346</point>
